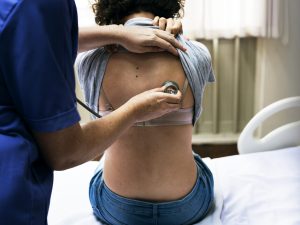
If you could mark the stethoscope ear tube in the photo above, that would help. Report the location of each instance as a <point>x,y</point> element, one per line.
<point>88,108</point>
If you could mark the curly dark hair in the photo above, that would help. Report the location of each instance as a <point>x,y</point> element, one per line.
<point>113,11</point>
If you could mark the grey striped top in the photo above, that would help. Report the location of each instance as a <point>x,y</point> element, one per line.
<point>196,62</point>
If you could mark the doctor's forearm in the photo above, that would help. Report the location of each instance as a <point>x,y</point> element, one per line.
<point>134,39</point>
<point>97,36</point>
<point>78,144</point>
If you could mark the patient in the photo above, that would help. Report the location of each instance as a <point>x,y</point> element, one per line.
<point>150,174</point>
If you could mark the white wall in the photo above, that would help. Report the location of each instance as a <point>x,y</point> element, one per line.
<point>85,14</point>
<point>278,68</point>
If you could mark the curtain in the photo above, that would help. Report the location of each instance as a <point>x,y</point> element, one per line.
<point>209,19</point>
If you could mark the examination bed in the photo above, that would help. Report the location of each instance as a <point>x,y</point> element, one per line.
<point>252,189</point>
<point>261,188</point>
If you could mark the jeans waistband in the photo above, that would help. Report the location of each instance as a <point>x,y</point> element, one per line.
<point>111,208</point>
<point>147,207</point>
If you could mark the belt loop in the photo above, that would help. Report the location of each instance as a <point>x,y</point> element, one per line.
<point>155,214</point>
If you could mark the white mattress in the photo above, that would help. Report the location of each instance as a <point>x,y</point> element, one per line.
<point>261,188</point>
<point>253,189</point>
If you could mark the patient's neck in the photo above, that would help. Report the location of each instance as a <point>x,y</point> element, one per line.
<point>139,14</point>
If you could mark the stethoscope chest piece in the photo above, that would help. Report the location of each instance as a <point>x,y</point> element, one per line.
<point>171,87</point>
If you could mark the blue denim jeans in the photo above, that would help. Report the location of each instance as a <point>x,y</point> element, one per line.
<point>113,209</point>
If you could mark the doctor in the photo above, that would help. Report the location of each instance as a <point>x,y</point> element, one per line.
<point>39,129</point>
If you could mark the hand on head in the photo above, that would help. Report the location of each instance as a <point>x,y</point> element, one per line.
<point>173,26</point>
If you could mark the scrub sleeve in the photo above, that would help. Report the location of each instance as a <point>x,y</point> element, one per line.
<point>38,47</point>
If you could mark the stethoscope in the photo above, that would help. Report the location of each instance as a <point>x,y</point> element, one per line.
<point>171,87</point>
<point>88,108</point>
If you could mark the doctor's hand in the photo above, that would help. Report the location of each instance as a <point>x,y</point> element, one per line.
<point>135,39</point>
<point>153,103</point>
<point>141,40</point>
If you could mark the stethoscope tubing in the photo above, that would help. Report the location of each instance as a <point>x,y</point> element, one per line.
<point>88,108</point>
<point>167,84</point>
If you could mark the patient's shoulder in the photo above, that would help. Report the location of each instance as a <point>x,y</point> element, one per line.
<point>200,51</point>
<point>85,58</point>
<point>199,58</point>
<point>88,63</point>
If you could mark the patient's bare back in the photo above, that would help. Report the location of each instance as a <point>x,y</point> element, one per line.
<point>152,163</point>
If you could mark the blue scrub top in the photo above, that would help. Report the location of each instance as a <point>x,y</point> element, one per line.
<point>38,46</point>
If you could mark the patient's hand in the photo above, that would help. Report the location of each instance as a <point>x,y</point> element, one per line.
<point>173,26</point>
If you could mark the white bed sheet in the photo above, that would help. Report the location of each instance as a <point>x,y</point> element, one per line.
<point>253,189</point>
<point>261,188</point>
<point>70,202</point>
